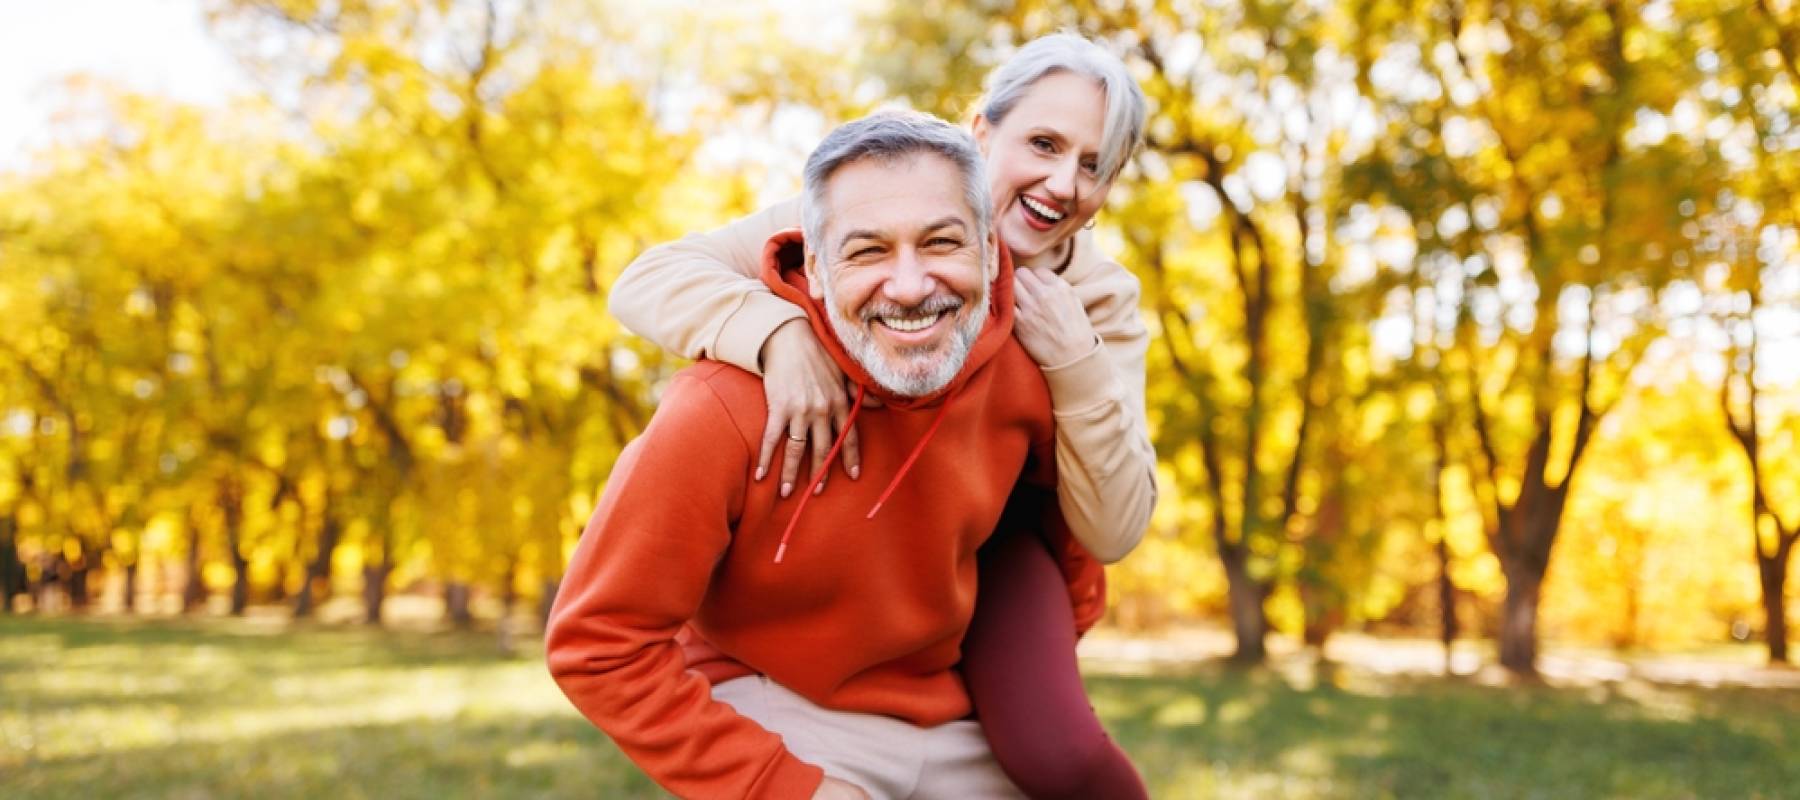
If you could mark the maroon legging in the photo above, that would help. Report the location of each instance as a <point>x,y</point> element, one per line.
<point>1019,662</point>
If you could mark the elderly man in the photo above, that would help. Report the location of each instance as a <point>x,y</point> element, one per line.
<point>734,643</point>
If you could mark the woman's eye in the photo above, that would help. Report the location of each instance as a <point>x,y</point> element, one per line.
<point>1043,144</point>
<point>1092,168</point>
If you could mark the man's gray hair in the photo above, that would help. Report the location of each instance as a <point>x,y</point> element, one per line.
<point>891,137</point>
<point>1123,129</point>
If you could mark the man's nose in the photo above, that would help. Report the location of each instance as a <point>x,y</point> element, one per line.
<point>910,282</point>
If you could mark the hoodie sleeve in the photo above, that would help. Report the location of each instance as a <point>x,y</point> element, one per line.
<point>1105,463</point>
<point>638,574</point>
<point>702,297</point>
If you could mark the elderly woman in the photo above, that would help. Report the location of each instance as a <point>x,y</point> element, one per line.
<point>1056,126</point>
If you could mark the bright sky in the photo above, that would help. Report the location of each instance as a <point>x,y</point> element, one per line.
<point>154,46</point>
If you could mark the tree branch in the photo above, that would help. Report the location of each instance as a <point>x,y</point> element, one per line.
<point>1786,43</point>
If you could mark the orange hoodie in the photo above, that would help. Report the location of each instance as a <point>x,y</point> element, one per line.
<point>866,609</point>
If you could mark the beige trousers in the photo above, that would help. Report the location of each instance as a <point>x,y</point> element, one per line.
<point>889,758</point>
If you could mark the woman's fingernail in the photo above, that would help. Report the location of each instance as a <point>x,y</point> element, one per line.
<point>855,472</point>
<point>819,490</point>
<point>762,472</point>
<point>786,488</point>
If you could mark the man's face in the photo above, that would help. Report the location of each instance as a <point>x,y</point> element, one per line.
<point>900,270</point>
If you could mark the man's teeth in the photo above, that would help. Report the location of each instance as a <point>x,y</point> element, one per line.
<point>910,324</point>
<point>1041,210</point>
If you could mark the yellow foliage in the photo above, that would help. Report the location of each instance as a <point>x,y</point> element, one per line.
<point>1655,544</point>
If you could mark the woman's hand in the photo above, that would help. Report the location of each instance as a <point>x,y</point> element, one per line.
<point>805,390</point>
<point>1051,323</point>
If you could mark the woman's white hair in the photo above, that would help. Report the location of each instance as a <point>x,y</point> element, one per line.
<point>1123,129</point>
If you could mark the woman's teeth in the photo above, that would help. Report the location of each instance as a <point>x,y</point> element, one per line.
<point>910,324</point>
<point>1041,210</point>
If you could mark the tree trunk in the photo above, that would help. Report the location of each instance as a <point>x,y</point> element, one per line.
<point>240,584</point>
<point>12,570</point>
<point>131,586</point>
<point>1627,635</point>
<point>1525,538</point>
<point>509,601</point>
<point>1322,598</point>
<point>509,591</point>
<point>374,591</point>
<point>1321,621</point>
<point>51,572</point>
<point>456,604</point>
<point>1248,621</point>
<point>278,592</point>
<point>1518,621</point>
<point>231,505</point>
<point>79,571</point>
<point>1446,600</point>
<point>1446,586</point>
<point>317,585</point>
<point>546,599</point>
<point>193,594</point>
<point>303,600</point>
<point>1773,573</point>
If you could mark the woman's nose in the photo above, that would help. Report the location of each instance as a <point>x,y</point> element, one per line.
<point>1061,182</point>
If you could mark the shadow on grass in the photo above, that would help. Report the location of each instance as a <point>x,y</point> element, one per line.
<point>1212,730</point>
<point>212,663</point>
<point>518,757</point>
<point>337,645</point>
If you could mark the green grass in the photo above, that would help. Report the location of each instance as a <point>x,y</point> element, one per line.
<point>114,708</point>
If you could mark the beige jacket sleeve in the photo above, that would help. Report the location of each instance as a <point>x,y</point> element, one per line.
<point>702,297</point>
<point>1105,465</point>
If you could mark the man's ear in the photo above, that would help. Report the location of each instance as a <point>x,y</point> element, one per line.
<point>982,130</point>
<point>992,268</point>
<point>814,286</point>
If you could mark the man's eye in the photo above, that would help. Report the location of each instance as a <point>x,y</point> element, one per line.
<point>865,252</point>
<point>943,242</point>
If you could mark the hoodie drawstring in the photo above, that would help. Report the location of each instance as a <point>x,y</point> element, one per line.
<point>918,449</point>
<point>855,408</point>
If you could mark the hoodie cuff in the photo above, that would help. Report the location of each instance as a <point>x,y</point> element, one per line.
<point>1079,386</point>
<point>789,779</point>
<point>741,338</point>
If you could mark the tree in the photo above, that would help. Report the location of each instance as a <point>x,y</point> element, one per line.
<point>1750,233</point>
<point>1527,175</point>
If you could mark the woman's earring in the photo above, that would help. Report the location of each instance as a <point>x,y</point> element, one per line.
<point>1089,226</point>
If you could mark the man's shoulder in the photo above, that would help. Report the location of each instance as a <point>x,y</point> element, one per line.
<point>729,382</point>
<point>732,391</point>
<point>1013,365</point>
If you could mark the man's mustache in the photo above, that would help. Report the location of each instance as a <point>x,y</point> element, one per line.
<point>931,305</point>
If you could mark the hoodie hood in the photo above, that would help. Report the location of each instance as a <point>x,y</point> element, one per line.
<point>784,270</point>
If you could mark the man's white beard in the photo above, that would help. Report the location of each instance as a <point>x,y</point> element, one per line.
<point>921,373</point>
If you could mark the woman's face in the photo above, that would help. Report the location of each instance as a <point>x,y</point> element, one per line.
<point>1043,163</point>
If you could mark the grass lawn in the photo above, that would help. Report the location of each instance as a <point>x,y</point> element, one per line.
<point>116,708</point>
